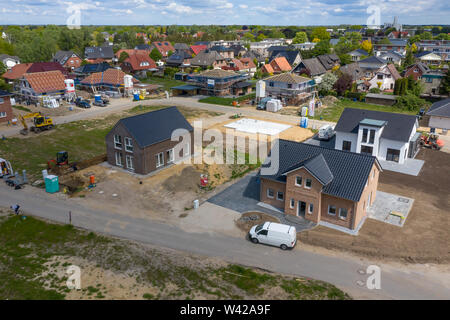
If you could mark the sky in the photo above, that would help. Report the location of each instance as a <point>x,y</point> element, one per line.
<point>221,12</point>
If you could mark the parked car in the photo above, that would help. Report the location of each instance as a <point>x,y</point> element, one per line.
<point>99,103</point>
<point>274,234</point>
<point>326,132</point>
<point>420,114</point>
<point>82,103</point>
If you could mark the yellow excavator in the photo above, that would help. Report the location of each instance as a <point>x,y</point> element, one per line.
<point>40,123</point>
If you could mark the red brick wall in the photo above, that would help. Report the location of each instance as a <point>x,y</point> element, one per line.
<point>6,107</point>
<point>275,186</point>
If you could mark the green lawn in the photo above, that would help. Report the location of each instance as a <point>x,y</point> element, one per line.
<point>165,82</point>
<point>226,101</point>
<point>27,246</point>
<point>333,113</point>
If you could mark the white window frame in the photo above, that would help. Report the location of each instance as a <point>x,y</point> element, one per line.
<point>171,156</point>
<point>128,144</point>
<point>301,181</point>
<point>158,162</point>
<point>330,213</point>
<point>310,208</point>
<point>2,100</point>
<point>118,156</point>
<point>340,215</point>
<point>306,182</point>
<point>278,193</point>
<point>292,204</point>
<point>117,142</point>
<point>3,114</point>
<point>129,160</point>
<point>268,193</point>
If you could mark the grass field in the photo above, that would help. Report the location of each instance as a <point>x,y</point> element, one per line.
<point>82,139</point>
<point>333,113</point>
<point>28,271</point>
<point>165,82</point>
<point>226,101</point>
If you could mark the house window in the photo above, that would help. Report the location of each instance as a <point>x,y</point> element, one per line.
<point>372,136</point>
<point>159,160</point>
<point>308,183</point>
<point>298,181</point>
<point>343,213</point>
<point>129,144</point>
<point>364,136</point>
<point>366,150</point>
<point>310,208</point>
<point>380,77</point>
<point>271,84</point>
<point>129,160</point>
<point>346,145</point>
<point>270,193</point>
<point>292,203</point>
<point>332,210</point>
<point>117,141</point>
<point>2,114</point>
<point>2,100</point>
<point>289,86</point>
<point>429,80</point>
<point>280,196</point>
<point>170,156</point>
<point>119,159</point>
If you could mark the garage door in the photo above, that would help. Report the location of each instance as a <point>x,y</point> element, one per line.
<point>393,155</point>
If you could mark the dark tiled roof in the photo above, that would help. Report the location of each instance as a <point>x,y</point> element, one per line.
<point>398,127</point>
<point>329,60</point>
<point>93,67</point>
<point>290,55</point>
<point>317,166</point>
<point>105,52</point>
<point>440,109</point>
<point>156,126</point>
<point>345,177</point>
<point>62,56</point>
<point>313,65</point>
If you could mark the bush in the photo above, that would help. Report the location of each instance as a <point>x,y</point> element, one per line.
<point>360,96</point>
<point>374,90</point>
<point>410,102</point>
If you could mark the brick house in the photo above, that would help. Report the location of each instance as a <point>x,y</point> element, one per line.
<point>69,60</point>
<point>164,47</point>
<point>6,112</point>
<point>321,184</point>
<point>142,143</point>
<point>277,65</point>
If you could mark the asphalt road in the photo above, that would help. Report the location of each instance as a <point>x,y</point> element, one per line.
<point>344,272</point>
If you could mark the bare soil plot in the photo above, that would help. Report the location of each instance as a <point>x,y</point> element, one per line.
<point>425,236</point>
<point>250,219</point>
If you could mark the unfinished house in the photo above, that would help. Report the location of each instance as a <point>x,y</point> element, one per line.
<point>109,80</point>
<point>326,186</point>
<point>143,143</point>
<point>220,82</point>
<point>35,86</point>
<point>385,135</point>
<point>290,88</point>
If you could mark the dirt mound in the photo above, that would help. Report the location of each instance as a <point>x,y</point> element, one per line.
<point>189,182</point>
<point>330,100</point>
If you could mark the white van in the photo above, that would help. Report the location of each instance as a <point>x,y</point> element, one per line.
<point>326,132</point>
<point>274,234</point>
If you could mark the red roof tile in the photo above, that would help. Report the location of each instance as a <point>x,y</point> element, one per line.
<point>48,81</point>
<point>111,76</point>
<point>199,48</point>
<point>17,71</point>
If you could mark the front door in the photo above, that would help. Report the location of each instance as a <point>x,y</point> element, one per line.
<point>393,155</point>
<point>301,209</point>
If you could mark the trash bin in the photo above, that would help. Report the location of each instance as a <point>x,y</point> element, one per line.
<point>51,184</point>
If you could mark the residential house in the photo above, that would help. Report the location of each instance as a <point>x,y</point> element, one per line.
<point>180,59</point>
<point>99,54</point>
<point>262,47</point>
<point>46,66</point>
<point>329,61</point>
<point>242,65</point>
<point>307,46</point>
<point>69,60</point>
<point>293,57</point>
<point>208,59</point>
<point>255,55</point>
<point>439,114</point>
<point>429,58</point>
<point>398,45</point>
<point>88,69</point>
<point>164,47</point>
<point>398,35</point>
<point>145,47</point>
<point>289,88</point>
<point>16,72</point>
<point>277,65</point>
<point>226,53</point>
<point>110,79</point>
<point>238,50</point>
<point>384,78</point>
<point>326,186</point>
<point>182,47</point>
<point>439,47</point>
<point>311,67</point>
<point>6,112</point>
<point>143,143</point>
<point>196,49</point>
<point>393,57</point>
<point>358,54</point>
<point>142,35</point>
<point>220,82</point>
<point>385,135</point>
<point>9,61</point>
<point>431,79</point>
<point>138,63</point>
<point>34,86</point>
<point>371,65</point>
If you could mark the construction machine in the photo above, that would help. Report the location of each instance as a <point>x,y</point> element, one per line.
<point>431,141</point>
<point>40,123</point>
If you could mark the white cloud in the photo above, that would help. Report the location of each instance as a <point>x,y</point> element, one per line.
<point>243,6</point>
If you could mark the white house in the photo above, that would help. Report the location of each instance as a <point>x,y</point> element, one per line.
<point>384,78</point>
<point>439,114</point>
<point>9,61</point>
<point>387,136</point>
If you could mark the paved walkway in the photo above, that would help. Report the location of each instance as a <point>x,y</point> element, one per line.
<point>410,167</point>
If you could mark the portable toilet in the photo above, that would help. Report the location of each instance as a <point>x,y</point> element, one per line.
<point>304,111</point>
<point>304,122</point>
<point>51,184</point>
<point>136,96</point>
<point>98,98</point>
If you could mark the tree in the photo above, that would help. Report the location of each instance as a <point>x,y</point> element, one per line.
<point>345,59</point>
<point>123,56</point>
<point>249,36</point>
<point>409,58</point>
<point>2,68</point>
<point>445,84</point>
<point>155,55</point>
<point>300,37</point>
<point>343,84</point>
<point>426,36</point>
<point>320,33</point>
<point>322,47</point>
<point>327,84</point>
<point>366,45</point>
